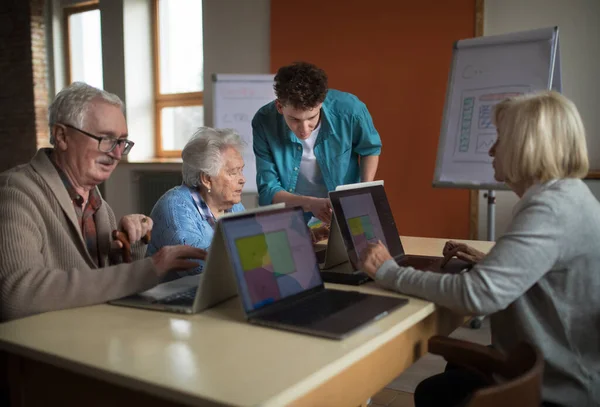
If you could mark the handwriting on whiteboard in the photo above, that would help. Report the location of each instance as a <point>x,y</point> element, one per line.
<point>471,72</point>
<point>476,132</point>
<point>235,118</point>
<point>247,92</point>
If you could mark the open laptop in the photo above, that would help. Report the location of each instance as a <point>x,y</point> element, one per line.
<point>364,216</point>
<point>336,267</point>
<point>335,252</point>
<point>192,294</point>
<point>278,278</point>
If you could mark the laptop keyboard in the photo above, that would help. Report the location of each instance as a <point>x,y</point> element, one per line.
<point>420,263</point>
<point>454,266</point>
<point>316,307</point>
<point>184,297</point>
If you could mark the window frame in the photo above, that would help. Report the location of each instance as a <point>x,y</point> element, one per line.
<point>162,101</point>
<point>68,11</point>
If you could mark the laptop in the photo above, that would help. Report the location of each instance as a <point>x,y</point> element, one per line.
<point>364,216</point>
<point>336,267</point>
<point>193,294</point>
<point>279,283</point>
<point>335,252</point>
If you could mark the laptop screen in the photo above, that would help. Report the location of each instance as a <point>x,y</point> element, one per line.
<point>272,256</point>
<point>364,216</point>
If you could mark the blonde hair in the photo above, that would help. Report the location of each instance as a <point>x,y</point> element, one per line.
<point>540,137</point>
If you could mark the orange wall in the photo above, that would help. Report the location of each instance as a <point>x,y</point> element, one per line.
<point>395,56</point>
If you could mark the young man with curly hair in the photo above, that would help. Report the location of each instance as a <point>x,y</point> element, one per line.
<point>310,140</point>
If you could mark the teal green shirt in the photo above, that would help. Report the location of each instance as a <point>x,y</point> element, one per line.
<point>347,133</point>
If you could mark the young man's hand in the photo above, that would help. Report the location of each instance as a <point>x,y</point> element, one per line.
<point>321,209</point>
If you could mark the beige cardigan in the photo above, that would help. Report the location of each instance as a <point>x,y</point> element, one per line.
<point>44,263</point>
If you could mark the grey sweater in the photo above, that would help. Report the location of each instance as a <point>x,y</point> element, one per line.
<point>540,283</point>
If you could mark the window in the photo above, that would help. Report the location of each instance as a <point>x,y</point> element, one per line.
<point>83,44</point>
<point>179,73</point>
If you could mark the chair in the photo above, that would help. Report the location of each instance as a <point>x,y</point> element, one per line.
<point>515,379</point>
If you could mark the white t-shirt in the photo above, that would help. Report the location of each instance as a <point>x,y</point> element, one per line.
<point>310,180</point>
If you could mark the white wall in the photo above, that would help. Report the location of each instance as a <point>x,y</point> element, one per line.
<point>579,33</point>
<point>236,40</point>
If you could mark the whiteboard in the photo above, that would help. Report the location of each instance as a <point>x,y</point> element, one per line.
<point>236,99</point>
<point>484,71</point>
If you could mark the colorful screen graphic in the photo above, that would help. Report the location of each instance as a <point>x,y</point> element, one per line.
<point>273,256</point>
<point>361,229</point>
<point>362,220</point>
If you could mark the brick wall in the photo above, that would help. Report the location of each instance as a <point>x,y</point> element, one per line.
<point>23,88</point>
<point>40,72</point>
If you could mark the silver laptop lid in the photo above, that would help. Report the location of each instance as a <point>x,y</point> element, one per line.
<point>217,282</point>
<point>272,256</point>
<point>358,185</point>
<point>364,216</point>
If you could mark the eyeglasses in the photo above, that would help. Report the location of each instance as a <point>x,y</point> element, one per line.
<point>106,144</point>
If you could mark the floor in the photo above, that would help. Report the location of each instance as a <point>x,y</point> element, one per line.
<point>399,393</point>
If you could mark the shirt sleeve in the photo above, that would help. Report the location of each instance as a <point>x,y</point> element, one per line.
<point>176,222</point>
<point>365,138</point>
<point>267,177</point>
<point>521,257</point>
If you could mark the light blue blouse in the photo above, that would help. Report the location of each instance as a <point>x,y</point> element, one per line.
<point>178,220</point>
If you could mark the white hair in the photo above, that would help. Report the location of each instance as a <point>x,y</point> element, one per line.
<point>71,104</point>
<point>203,153</point>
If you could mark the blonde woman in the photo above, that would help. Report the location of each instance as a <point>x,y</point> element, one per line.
<point>541,281</point>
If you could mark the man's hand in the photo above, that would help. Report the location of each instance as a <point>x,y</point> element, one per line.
<point>373,257</point>
<point>171,258</point>
<point>136,227</point>
<point>321,209</point>
<point>462,252</point>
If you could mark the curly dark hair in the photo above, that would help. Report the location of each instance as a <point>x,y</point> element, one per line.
<point>301,85</point>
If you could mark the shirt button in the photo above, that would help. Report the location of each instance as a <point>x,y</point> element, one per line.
<point>291,190</point>
<point>295,168</point>
<point>299,148</point>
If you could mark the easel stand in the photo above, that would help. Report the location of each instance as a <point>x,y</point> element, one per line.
<point>491,215</point>
<point>475,322</point>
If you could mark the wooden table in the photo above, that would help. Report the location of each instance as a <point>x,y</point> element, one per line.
<point>109,355</point>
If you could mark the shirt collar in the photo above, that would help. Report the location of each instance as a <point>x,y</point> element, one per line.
<point>202,206</point>
<point>94,197</point>
<point>326,127</point>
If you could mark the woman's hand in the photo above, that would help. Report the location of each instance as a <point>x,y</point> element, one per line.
<point>373,257</point>
<point>320,233</point>
<point>462,252</point>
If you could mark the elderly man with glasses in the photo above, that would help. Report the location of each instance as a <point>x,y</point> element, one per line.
<point>56,246</point>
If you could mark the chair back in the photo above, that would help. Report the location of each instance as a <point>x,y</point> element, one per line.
<point>515,379</point>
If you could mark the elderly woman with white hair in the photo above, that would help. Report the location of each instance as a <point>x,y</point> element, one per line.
<point>212,185</point>
<point>541,281</point>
